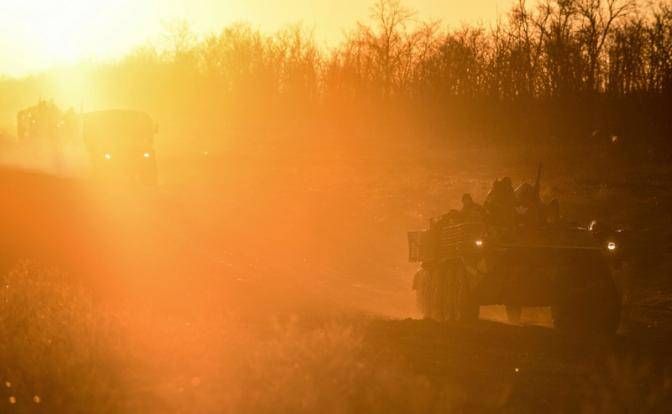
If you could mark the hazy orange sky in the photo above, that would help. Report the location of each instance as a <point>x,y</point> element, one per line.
<point>37,34</point>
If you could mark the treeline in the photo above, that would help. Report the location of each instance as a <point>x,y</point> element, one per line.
<point>556,71</point>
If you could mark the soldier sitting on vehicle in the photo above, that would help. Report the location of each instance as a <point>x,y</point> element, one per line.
<point>471,212</point>
<point>532,210</point>
<point>528,205</point>
<point>500,203</point>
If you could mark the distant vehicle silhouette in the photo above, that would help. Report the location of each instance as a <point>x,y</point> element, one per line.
<point>120,144</point>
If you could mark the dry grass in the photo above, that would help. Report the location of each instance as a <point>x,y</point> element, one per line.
<point>61,352</point>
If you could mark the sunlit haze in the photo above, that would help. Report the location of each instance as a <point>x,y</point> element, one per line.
<point>38,34</point>
<point>335,206</point>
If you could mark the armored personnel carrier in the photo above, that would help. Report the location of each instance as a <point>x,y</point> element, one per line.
<point>465,265</point>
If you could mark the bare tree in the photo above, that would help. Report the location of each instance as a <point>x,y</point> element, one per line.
<point>659,56</point>
<point>528,32</point>
<point>178,38</point>
<point>598,18</point>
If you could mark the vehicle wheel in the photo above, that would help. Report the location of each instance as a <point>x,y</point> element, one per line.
<point>420,283</point>
<point>589,302</point>
<point>441,295</point>
<point>430,290</point>
<point>467,308</point>
<point>513,314</point>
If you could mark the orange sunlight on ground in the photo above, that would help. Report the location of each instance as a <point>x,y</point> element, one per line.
<point>206,207</point>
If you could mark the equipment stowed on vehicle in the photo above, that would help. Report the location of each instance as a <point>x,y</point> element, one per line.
<point>472,264</point>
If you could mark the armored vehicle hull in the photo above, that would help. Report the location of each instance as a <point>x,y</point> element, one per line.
<point>469,265</point>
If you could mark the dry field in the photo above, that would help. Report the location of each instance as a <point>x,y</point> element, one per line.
<point>257,283</point>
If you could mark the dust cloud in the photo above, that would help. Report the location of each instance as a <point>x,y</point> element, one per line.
<point>238,241</point>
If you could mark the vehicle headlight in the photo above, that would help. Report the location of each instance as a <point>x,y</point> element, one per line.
<point>107,156</point>
<point>478,243</point>
<point>611,246</point>
<point>146,155</point>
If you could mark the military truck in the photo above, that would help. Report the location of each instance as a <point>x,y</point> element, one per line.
<point>561,265</point>
<point>120,144</point>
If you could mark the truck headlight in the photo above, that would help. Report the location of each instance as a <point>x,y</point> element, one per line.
<point>146,155</point>
<point>478,243</point>
<point>107,156</point>
<point>611,246</point>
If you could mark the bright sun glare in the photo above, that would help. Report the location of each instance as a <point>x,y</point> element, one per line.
<point>38,34</point>
<point>48,32</point>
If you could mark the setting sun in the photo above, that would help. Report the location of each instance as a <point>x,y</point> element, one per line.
<point>47,33</point>
<point>38,34</point>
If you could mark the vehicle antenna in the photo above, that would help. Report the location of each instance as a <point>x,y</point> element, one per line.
<point>537,183</point>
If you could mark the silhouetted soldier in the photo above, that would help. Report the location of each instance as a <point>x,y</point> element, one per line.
<point>470,211</point>
<point>528,206</point>
<point>500,203</point>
